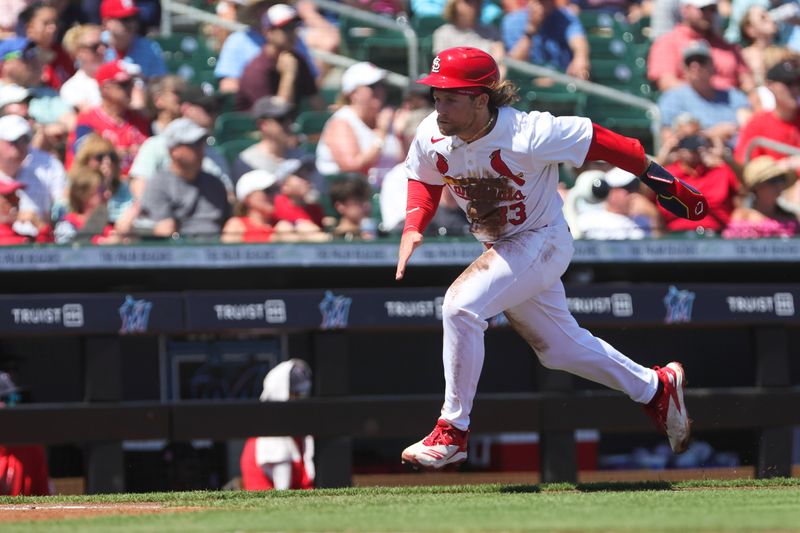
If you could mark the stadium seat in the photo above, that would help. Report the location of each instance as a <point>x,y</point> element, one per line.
<point>622,118</point>
<point>308,126</point>
<point>231,149</point>
<point>601,47</point>
<point>557,99</point>
<point>234,125</point>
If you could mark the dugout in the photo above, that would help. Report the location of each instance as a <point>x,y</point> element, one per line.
<point>334,308</point>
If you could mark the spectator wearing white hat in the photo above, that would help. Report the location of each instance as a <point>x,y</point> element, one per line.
<point>358,137</point>
<point>607,207</point>
<point>14,100</point>
<point>279,69</point>
<point>42,174</point>
<point>698,23</point>
<point>252,219</point>
<point>183,198</point>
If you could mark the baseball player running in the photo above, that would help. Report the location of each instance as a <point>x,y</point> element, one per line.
<point>501,165</point>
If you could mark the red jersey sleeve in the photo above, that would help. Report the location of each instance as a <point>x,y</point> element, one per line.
<point>421,204</point>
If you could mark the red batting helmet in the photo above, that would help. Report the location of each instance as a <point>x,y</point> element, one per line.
<point>462,66</point>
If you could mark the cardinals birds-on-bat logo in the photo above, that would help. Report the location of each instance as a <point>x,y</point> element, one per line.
<point>499,166</point>
<point>441,164</point>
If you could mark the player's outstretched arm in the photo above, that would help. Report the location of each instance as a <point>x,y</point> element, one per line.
<point>421,204</point>
<point>409,242</point>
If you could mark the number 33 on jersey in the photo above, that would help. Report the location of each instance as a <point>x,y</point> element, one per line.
<point>505,181</point>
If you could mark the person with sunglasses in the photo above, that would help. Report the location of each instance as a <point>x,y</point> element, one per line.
<point>87,49</point>
<point>97,154</point>
<point>121,21</point>
<point>113,118</point>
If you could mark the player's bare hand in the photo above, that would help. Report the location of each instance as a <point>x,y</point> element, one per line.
<point>408,243</point>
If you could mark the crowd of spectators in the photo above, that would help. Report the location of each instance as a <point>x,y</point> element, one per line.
<point>101,142</point>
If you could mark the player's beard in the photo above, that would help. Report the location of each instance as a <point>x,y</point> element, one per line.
<point>451,128</point>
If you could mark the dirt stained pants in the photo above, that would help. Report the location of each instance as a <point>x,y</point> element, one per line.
<point>521,276</point>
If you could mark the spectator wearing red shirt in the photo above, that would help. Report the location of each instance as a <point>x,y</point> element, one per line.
<point>9,208</point>
<point>40,23</point>
<point>252,216</point>
<point>781,124</point>
<point>113,119</point>
<point>297,202</point>
<point>665,61</point>
<point>718,184</point>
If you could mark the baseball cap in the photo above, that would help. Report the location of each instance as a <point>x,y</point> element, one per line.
<point>118,9</point>
<point>278,16</point>
<point>700,4</point>
<point>616,177</point>
<point>183,131</point>
<point>763,168</point>
<point>270,107</point>
<point>13,94</point>
<point>13,127</point>
<point>255,180</point>
<point>116,71</point>
<point>696,49</point>
<point>9,186</point>
<point>784,72</point>
<point>361,75</point>
<point>17,48</point>
<point>196,95</point>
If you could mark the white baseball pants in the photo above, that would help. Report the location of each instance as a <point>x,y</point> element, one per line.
<point>521,275</point>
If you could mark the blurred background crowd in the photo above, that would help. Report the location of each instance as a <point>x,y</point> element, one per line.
<point>112,131</point>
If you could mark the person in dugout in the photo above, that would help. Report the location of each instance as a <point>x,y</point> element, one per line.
<point>23,469</point>
<point>286,462</point>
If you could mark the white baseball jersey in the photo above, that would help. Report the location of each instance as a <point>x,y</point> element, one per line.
<point>506,181</point>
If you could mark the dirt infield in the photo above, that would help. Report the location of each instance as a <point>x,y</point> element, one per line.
<point>60,511</point>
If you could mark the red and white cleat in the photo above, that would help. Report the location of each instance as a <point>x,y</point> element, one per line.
<point>446,445</point>
<point>668,411</point>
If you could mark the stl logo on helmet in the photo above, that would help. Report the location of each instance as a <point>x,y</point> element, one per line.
<point>436,64</point>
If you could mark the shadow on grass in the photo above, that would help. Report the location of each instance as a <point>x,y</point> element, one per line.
<point>624,486</point>
<point>520,489</point>
<point>589,487</point>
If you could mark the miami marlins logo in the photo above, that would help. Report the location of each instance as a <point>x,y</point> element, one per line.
<point>500,166</point>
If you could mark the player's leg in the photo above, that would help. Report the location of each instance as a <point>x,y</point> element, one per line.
<point>487,287</point>
<point>545,322</point>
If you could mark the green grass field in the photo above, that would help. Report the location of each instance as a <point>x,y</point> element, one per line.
<point>743,505</point>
